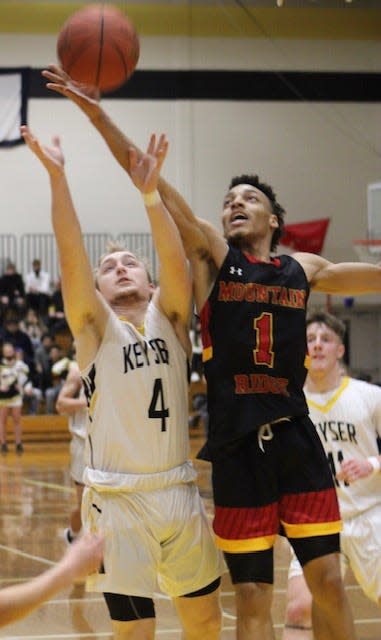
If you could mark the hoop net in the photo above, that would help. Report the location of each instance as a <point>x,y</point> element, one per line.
<point>368,250</point>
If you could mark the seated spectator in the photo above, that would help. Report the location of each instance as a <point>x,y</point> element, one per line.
<point>58,371</point>
<point>43,361</point>
<point>32,398</point>
<point>12,290</point>
<point>33,325</point>
<point>37,289</point>
<point>56,314</point>
<point>31,395</point>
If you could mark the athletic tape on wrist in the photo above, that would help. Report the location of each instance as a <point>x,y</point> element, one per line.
<point>375,462</point>
<point>152,198</point>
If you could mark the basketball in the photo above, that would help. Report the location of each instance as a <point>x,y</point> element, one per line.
<point>98,46</point>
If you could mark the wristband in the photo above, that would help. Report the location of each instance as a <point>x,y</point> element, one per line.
<point>376,464</point>
<point>152,198</point>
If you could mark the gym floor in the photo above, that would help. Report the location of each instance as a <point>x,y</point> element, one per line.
<point>36,498</point>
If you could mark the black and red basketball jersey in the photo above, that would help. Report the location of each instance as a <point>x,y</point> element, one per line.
<point>254,344</point>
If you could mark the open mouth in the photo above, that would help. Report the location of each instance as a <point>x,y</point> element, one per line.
<point>238,217</point>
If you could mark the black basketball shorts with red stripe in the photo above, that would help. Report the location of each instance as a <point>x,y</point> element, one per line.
<point>278,484</point>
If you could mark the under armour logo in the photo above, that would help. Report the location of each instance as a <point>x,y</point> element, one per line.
<point>236,270</point>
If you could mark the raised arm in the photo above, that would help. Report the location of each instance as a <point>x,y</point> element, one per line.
<point>196,242</point>
<point>85,311</point>
<point>174,294</point>
<point>341,278</point>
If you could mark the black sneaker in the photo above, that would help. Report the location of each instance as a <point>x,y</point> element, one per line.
<point>69,536</point>
<point>19,448</point>
<point>4,448</point>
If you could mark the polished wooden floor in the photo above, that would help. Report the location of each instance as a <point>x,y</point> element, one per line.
<point>35,501</point>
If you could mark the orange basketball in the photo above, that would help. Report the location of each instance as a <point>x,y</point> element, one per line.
<point>98,46</point>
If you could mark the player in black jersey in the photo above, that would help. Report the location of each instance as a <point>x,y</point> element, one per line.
<point>270,473</point>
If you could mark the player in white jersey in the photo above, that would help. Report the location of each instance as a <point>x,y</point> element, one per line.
<point>347,416</point>
<point>133,348</point>
<point>72,401</point>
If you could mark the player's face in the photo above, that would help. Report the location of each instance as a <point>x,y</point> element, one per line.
<point>324,348</point>
<point>122,276</point>
<point>247,212</point>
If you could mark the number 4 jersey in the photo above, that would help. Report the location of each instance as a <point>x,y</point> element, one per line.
<point>137,394</point>
<point>348,421</point>
<point>254,344</point>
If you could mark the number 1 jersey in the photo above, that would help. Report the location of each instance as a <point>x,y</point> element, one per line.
<point>254,344</point>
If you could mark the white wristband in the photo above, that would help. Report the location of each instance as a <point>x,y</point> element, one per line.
<point>152,198</point>
<point>376,464</point>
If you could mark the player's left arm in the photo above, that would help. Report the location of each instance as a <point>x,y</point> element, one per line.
<point>174,295</point>
<point>341,278</point>
<point>68,400</point>
<point>83,557</point>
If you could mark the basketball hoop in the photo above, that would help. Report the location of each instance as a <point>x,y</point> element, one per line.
<point>368,250</point>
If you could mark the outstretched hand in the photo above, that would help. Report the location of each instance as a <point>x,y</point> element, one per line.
<point>84,556</point>
<point>85,96</point>
<point>145,171</point>
<point>51,156</point>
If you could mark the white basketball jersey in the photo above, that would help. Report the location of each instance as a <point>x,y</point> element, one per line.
<point>348,421</point>
<point>137,393</point>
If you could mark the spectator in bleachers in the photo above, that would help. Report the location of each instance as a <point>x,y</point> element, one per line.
<point>56,314</point>
<point>10,332</point>
<point>34,326</point>
<point>13,375</point>
<point>59,370</point>
<point>37,289</point>
<point>31,394</point>
<point>43,361</point>
<point>12,290</point>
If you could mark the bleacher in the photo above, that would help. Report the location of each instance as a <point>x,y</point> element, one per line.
<point>41,428</point>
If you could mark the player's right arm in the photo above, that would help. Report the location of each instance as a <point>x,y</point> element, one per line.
<point>85,310</point>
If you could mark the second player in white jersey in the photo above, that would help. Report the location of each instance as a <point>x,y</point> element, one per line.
<point>348,421</point>
<point>347,415</point>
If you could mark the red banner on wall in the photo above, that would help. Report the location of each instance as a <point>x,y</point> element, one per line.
<point>305,236</point>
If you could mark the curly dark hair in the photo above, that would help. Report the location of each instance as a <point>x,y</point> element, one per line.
<point>277,209</point>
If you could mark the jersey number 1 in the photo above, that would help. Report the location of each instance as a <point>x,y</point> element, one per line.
<point>263,352</point>
<point>156,408</point>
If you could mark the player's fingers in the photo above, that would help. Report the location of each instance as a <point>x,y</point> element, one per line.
<point>58,72</point>
<point>151,144</point>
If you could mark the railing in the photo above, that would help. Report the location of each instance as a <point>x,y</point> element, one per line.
<point>8,250</point>
<point>43,246</point>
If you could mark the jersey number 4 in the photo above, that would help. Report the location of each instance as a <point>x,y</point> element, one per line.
<point>157,406</point>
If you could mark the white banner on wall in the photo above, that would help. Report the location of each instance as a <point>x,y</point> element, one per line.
<point>13,105</point>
